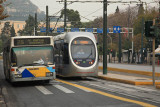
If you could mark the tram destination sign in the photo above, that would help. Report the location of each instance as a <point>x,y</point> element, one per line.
<point>31,41</point>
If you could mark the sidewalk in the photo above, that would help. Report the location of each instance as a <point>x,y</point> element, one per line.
<point>132,68</point>
<point>130,74</point>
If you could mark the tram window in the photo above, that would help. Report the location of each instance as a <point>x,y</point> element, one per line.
<point>83,48</point>
<point>65,54</point>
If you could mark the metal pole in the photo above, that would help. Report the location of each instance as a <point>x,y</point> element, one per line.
<point>120,48</point>
<point>153,62</point>
<point>47,20</point>
<point>65,13</point>
<point>128,33</point>
<point>35,24</point>
<point>132,47</point>
<point>105,36</point>
<point>142,40</point>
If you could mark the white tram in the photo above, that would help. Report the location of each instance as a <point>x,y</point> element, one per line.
<point>76,54</point>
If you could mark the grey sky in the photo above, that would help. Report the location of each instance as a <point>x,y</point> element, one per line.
<point>88,10</point>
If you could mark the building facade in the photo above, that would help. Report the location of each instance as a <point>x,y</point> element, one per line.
<point>20,25</point>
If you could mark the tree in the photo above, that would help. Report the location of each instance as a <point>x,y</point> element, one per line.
<point>1,46</point>
<point>140,10</point>
<point>148,15</point>
<point>137,43</point>
<point>73,17</point>
<point>2,15</point>
<point>6,32</point>
<point>13,34</point>
<point>29,27</point>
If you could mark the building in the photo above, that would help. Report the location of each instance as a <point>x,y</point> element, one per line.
<point>19,25</point>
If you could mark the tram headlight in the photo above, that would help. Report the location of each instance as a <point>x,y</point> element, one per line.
<point>18,76</point>
<point>48,74</point>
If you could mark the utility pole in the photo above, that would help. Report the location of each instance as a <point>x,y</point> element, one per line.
<point>65,14</point>
<point>120,48</point>
<point>128,33</point>
<point>46,20</point>
<point>35,24</point>
<point>105,36</point>
<point>142,40</point>
<point>49,20</point>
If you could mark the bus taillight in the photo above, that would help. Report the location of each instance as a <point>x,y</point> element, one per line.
<point>53,67</point>
<point>12,69</point>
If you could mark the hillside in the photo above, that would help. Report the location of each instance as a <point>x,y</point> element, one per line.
<point>20,9</point>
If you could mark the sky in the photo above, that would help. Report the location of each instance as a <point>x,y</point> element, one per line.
<point>88,10</point>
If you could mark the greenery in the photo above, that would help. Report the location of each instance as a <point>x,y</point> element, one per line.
<point>29,27</point>
<point>13,34</point>
<point>73,17</point>
<point>6,32</point>
<point>2,14</point>
<point>1,46</point>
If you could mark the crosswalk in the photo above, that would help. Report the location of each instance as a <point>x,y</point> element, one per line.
<point>44,90</point>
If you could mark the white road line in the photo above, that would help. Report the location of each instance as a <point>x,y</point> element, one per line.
<point>136,87</point>
<point>112,86</point>
<point>123,88</point>
<point>43,90</point>
<point>63,89</point>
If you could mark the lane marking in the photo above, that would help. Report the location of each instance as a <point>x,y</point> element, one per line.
<point>109,95</point>
<point>63,89</point>
<point>122,88</point>
<point>43,90</point>
<point>140,88</point>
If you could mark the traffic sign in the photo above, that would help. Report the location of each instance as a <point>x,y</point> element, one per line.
<point>74,29</point>
<point>60,30</point>
<point>43,29</point>
<point>116,29</point>
<point>99,30</point>
<point>89,30</point>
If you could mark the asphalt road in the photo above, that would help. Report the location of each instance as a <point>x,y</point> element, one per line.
<point>77,92</point>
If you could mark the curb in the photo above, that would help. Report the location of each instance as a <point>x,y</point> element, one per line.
<point>131,71</point>
<point>129,81</point>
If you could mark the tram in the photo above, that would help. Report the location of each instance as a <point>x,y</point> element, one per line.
<point>76,54</point>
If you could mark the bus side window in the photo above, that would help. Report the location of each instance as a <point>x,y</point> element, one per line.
<point>65,53</point>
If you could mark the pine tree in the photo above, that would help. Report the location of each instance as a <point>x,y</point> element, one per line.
<point>13,34</point>
<point>29,27</point>
<point>141,10</point>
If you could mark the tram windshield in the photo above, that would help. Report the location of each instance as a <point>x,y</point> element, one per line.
<point>31,55</point>
<point>81,48</point>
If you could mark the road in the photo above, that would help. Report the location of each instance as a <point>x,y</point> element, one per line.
<point>76,92</point>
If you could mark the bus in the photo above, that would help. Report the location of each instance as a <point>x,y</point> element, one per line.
<point>29,58</point>
<point>76,54</point>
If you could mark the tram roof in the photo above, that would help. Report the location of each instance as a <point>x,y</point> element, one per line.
<point>70,35</point>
